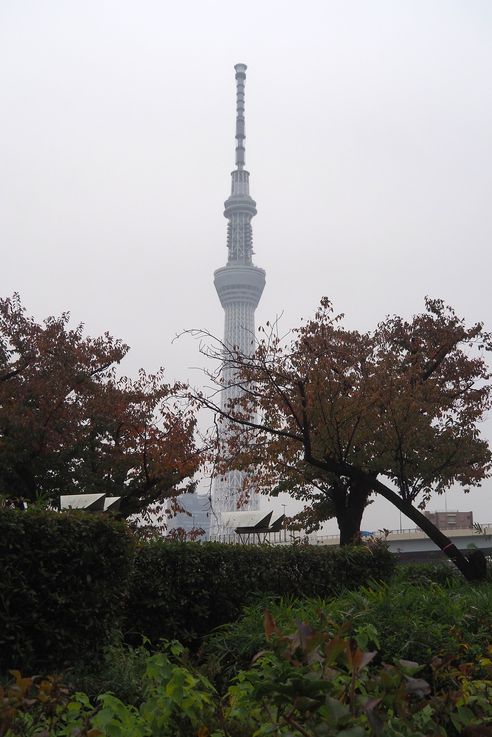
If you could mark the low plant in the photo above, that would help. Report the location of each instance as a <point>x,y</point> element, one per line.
<point>315,684</point>
<point>177,702</point>
<point>407,621</point>
<point>306,683</point>
<point>441,572</point>
<point>43,707</point>
<point>119,670</point>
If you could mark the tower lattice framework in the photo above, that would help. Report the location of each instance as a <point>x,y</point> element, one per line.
<point>239,285</point>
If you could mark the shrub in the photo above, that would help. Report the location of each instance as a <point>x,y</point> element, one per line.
<point>307,682</point>
<point>63,586</point>
<point>424,574</point>
<point>69,581</point>
<point>184,590</point>
<point>177,701</point>
<point>119,670</point>
<point>315,682</point>
<point>402,619</point>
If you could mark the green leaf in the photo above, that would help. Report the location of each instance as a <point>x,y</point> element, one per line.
<point>355,731</point>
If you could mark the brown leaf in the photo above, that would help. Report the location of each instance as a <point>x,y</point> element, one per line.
<point>417,686</point>
<point>477,730</point>
<point>269,624</point>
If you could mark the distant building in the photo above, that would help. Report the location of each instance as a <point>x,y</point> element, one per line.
<point>196,515</point>
<point>451,520</point>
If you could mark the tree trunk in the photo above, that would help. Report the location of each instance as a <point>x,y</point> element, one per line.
<point>350,500</point>
<point>471,566</point>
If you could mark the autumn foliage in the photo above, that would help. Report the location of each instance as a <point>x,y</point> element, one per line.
<point>69,423</point>
<point>335,415</point>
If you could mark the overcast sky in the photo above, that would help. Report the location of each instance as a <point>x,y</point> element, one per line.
<point>368,141</point>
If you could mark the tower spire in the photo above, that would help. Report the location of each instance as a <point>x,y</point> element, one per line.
<point>240,207</point>
<point>240,130</point>
<point>239,285</point>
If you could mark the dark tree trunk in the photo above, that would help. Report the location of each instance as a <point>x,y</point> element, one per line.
<point>350,499</point>
<point>472,566</point>
<point>21,481</point>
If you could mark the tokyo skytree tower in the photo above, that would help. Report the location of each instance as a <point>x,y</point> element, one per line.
<point>239,285</point>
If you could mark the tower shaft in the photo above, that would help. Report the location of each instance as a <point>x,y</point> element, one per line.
<point>239,286</point>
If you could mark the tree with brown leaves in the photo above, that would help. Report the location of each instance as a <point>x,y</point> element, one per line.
<point>69,424</point>
<point>337,415</point>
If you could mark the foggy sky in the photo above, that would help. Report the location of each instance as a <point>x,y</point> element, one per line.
<point>368,141</point>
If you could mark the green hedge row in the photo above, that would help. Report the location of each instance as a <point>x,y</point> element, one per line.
<point>184,590</point>
<point>68,580</point>
<point>63,585</point>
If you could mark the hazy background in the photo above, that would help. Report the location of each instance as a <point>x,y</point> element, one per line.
<point>368,140</point>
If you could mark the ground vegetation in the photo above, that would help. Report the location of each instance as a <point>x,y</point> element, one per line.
<point>332,668</point>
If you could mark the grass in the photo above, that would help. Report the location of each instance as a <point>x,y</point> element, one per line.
<point>422,613</point>
<point>119,671</point>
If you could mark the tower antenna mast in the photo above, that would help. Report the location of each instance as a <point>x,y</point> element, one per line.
<point>240,126</point>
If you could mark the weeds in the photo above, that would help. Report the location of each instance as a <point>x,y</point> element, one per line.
<point>407,621</point>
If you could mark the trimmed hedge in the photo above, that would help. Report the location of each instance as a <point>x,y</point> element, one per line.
<point>63,582</point>
<point>70,581</point>
<point>184,590</point>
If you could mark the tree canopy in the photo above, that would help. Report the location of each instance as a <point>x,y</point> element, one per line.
<point>69,424</point>
<point>335,415</point>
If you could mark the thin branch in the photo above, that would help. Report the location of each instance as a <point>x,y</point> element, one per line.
<point>247,423</point>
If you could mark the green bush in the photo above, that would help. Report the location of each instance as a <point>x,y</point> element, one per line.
<point>184,590</point>
<point>177,701</point>
<point>315,682</point>
<point>424,574</point>
<point>309,682</point>
<point>70,581</point>
<point>63,584</point>
<point>118,670</point>
<point>420,621</point>
<point>403,620</point>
